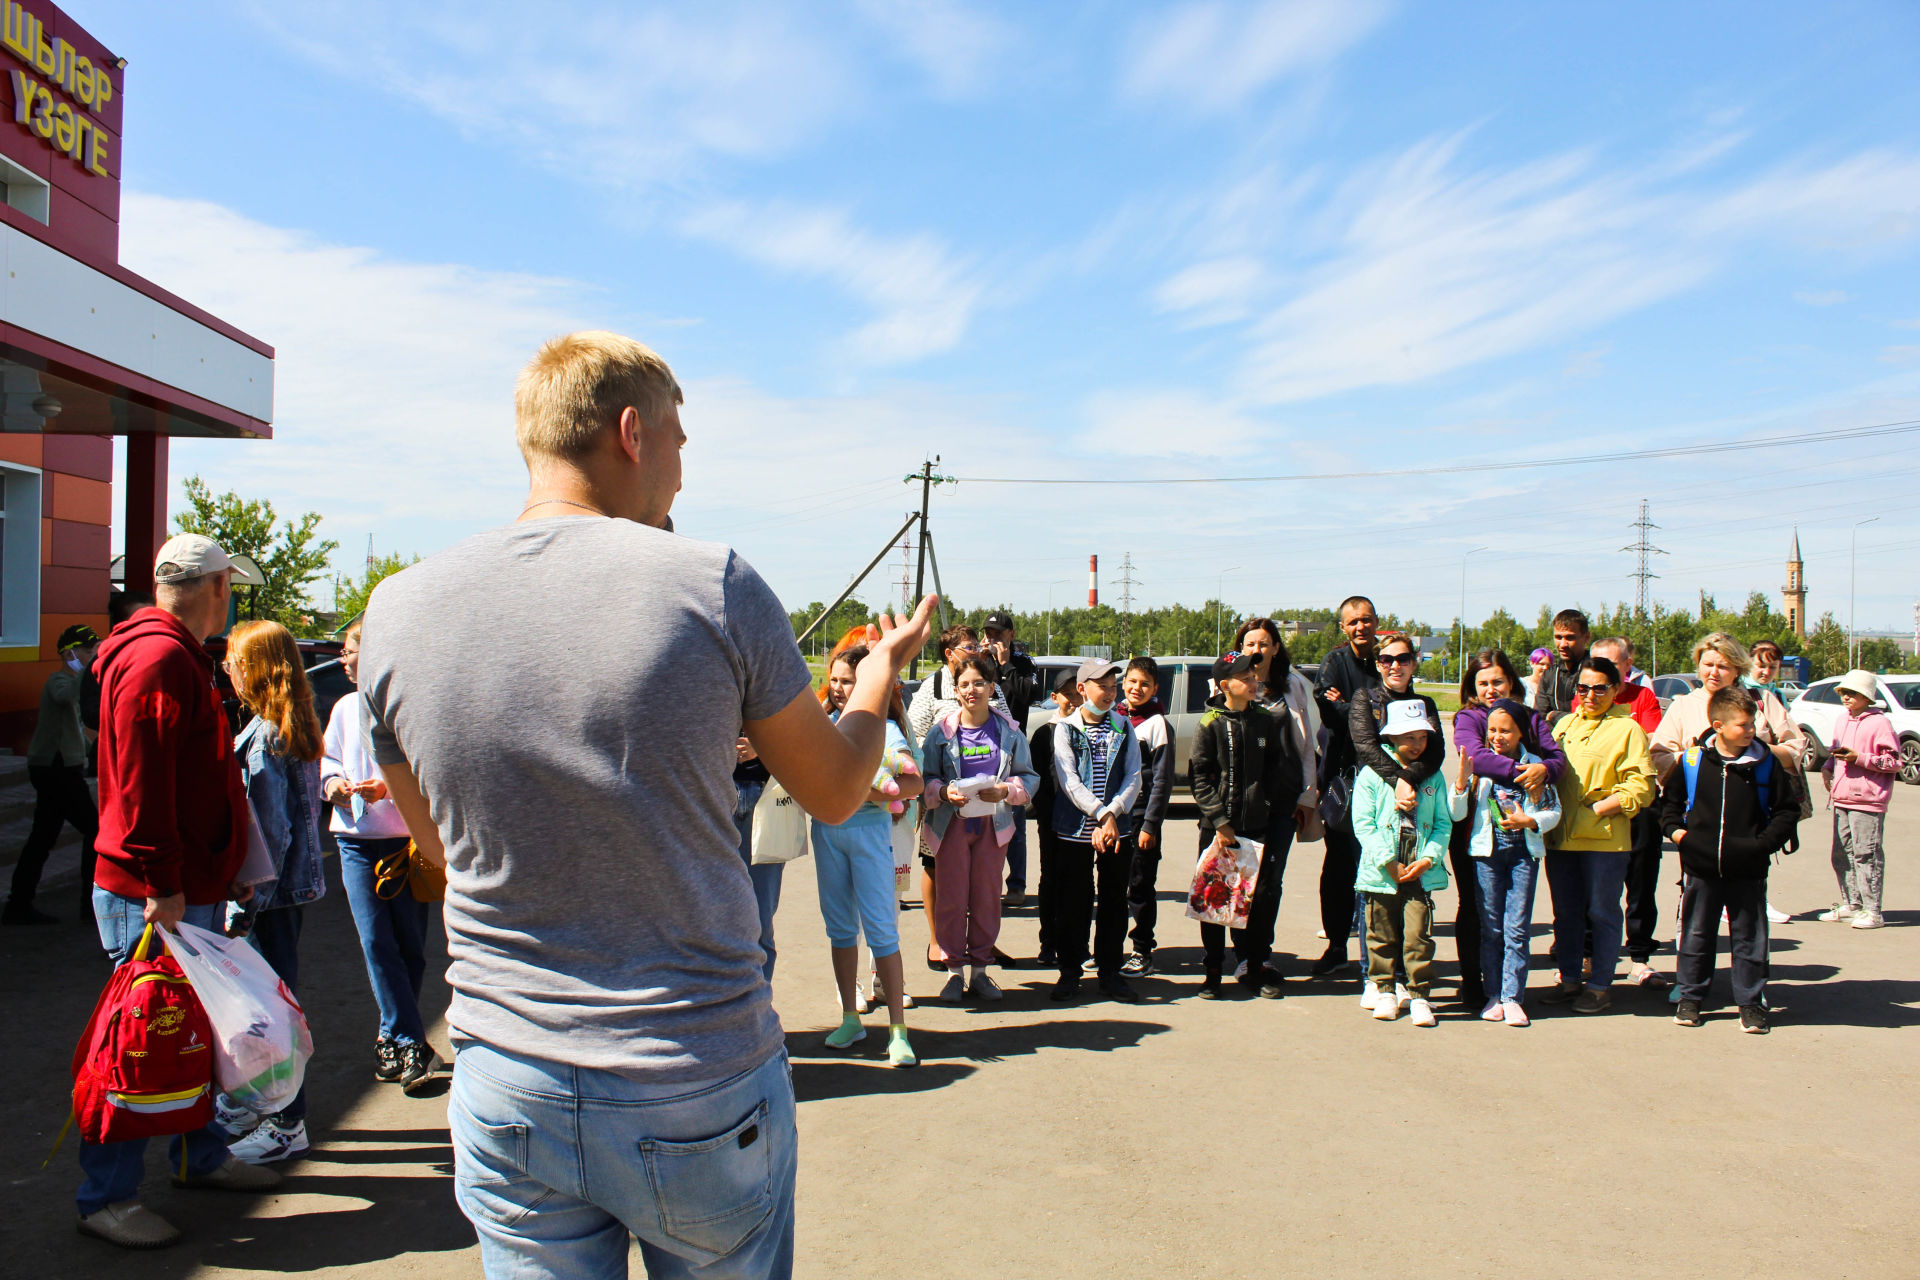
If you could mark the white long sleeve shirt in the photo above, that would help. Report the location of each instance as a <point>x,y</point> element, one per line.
<point>349,757</point>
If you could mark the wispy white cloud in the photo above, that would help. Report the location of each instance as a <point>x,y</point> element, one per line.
<point>955,45</point>
<point>1170,423</point>
<point>1820,297</point>
<point>1212,292</point>
<point>1903,356</point>
<point>925,295</point>
<point>1417,264</point>
<point>1211,57</point>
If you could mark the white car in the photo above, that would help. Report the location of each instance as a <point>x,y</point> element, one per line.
<point>1818,710</point>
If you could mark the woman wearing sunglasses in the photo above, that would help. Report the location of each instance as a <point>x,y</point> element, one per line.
<point>1396,661</point>
<point>1608,779</point>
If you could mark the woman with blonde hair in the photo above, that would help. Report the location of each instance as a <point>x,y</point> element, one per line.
<point>279,751</point>
<point>1722,661</point>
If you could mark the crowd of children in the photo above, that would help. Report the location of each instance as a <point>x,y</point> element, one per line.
<point>1575,770</point>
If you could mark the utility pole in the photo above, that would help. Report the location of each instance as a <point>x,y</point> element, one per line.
<point>1126,601</point>
<point>927,478</point>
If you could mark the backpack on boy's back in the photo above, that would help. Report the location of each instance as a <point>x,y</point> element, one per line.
<point>144,1065</point>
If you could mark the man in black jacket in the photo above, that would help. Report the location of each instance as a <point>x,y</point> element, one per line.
<point>1345,672</point>
<point>1729,809</point>
<point>1572,640</point>
<point>1019,684</point>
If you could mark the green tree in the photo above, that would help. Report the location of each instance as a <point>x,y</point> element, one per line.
<point>1826,648</point>
<point>354,592</point>
<point>291,558</point>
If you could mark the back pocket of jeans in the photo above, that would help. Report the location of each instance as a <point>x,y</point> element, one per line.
<point>713,1192</point>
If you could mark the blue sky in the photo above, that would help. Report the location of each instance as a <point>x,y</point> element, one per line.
<point>1107,240</point>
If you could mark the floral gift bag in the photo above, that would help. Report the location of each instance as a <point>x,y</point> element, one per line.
<point>1223,884</point>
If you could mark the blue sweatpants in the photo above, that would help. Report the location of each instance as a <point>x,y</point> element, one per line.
<point>853,864</point>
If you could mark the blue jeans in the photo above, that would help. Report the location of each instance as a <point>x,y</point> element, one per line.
<point>1586,889</point>
<point>853,869</point>
<point>766,879</point>
<point>1017,852</point>
<point>1507,880</point>
<point>393,938</point>
<point>113,1170</point>
<point>556,1165</point>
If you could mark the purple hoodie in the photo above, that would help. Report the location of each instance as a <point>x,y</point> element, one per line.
<point>1866,783</point>
<point>1470,740</point>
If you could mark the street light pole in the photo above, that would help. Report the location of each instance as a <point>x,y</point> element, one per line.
<point>1460,646</point>
<point>1218,590</point>
<point>1853,543</point>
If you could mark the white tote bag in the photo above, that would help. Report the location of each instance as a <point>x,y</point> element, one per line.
<point>779,827</point>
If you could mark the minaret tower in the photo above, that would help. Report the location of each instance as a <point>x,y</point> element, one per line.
<point>1795,592</point>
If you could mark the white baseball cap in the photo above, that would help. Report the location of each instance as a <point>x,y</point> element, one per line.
<point>189,555</point>
<point>1407,715</point>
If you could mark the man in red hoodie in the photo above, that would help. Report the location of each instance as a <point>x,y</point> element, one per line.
<point>172,838</point>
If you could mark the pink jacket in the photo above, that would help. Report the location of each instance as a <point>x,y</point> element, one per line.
<point>1868,783</point>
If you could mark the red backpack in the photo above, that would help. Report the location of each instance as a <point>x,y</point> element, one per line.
<point>144,1065</point>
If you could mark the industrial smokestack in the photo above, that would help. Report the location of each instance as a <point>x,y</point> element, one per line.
<point>1093,582</point>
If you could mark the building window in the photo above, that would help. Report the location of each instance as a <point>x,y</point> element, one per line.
<point>24,190</point>
<point>19,556</point>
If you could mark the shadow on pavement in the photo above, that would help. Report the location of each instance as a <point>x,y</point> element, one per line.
<point>945,1056</point>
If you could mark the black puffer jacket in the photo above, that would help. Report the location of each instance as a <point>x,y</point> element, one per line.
<point>1730,835</point>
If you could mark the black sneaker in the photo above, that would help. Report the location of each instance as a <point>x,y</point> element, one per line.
<point>1753,1019</point>
<point>1068,988</point>
<point>25,913</point>
<point>1331,962</point>
<point>417,1064</point>
<point>1271,985</point>
<point>1045,960</point>
<point>1118,988</point>
<point>1138,965</point>
<point>1687,1014</point>
<point>1210,989</point>
<point>386,1060</point>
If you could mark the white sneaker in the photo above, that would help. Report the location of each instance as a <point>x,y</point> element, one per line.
<point>1422,1013</point>
<point>861,1002</point>
<point>1776,916</point>
<point>131,1225</point>
<point>1516,1016</point>
<point>1838,913</point>
<point>1868,920</point>
<point>955,991</point>
<point>1240,972</point>
<point>1400,996</point>
<point>1367,996</point>
<point>269,1143</point>
<point>234,1118</point>
<point>983,987</point>
<point>1385,1007</point>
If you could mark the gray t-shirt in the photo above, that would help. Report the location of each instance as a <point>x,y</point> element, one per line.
<point>568,693</point>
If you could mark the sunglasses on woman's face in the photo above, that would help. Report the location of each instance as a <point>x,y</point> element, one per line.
<point>1395,659</point>
<point>1590,690</point>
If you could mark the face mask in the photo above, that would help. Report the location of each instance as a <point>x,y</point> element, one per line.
<point>74,663</point>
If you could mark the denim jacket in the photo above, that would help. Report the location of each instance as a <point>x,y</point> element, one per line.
<point>940,759</point>
<point>285,795</point>
<point>1545,812</point>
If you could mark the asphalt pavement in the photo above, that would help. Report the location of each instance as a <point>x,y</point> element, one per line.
<point>1177,1137</point>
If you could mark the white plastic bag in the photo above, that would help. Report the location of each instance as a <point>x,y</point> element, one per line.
<point>779,827</point>
<point>1223,883</point>
<point>261,1043</point>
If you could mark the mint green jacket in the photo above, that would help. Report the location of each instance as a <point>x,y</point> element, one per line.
<point>1377,823</point>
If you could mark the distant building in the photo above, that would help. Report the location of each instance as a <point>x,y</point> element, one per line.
<point>1795,592</point>
<point>1292,627</point>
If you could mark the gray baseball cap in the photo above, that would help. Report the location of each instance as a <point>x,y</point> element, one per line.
<point>1096,669</point>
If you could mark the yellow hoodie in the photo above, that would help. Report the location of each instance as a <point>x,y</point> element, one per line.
<point>1605,756</point>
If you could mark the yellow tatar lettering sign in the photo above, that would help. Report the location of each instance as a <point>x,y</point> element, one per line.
<point>57,123</point>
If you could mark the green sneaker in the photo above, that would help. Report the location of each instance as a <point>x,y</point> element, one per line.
<point>899,1052</point>
<point>848,1033</point>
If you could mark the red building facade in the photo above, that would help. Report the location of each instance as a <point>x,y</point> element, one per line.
<point>88,351</point>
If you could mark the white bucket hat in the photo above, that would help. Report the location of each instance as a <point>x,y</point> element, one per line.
<point>1407,715</point>
<point>1861,682</point>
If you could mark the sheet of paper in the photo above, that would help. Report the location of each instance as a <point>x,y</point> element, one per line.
<point>976,808</point>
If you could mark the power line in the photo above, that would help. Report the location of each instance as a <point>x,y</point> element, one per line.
<point>1465,468</point>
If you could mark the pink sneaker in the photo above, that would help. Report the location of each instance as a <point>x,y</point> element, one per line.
<point>1516,1016</point>
<point>1494,1012</point>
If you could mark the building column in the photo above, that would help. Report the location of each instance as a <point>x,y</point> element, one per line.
<point>146,508</point>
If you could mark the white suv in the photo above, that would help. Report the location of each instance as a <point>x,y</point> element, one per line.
<point>1818,710</point>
